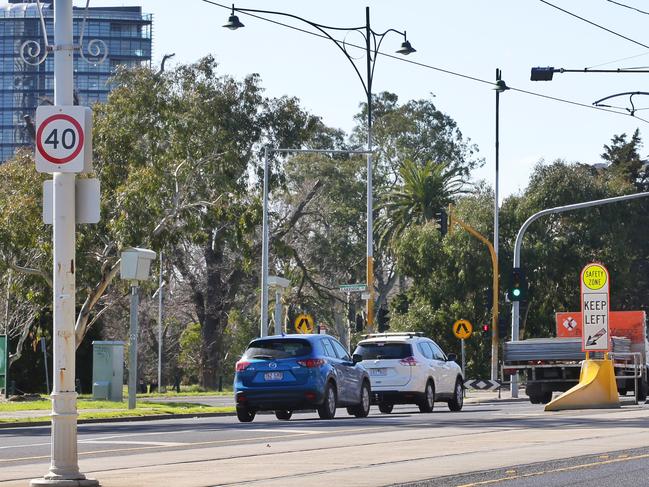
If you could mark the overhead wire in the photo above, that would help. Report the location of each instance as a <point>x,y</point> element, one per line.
<point>595,24</point>
<point>428,66</point>
<point>629,7</point>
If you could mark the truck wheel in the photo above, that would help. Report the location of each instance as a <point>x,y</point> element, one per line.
<point>546,397</point>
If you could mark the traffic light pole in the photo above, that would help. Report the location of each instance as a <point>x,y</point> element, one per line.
<point>517,255</point>
<point>494,309</point>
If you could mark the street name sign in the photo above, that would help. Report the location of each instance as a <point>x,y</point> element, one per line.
<point>595,300</point>
<point>304,323</point>
<point>63,139</point>
<point>462,329</point>
<point>353,288</point>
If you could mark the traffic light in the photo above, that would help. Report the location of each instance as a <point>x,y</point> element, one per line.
<point>383,319</point>
<point>517,291</point>
<point>542,74</point>
<point>486,331</point>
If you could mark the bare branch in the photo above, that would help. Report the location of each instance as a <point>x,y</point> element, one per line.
<point>34,272</point>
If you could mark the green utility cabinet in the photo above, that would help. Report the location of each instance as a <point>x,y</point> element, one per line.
<point>107,370</point>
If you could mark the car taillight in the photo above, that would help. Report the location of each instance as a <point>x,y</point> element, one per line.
<point>241,365</point>
<point>311,362</point>
<point>410,361</point>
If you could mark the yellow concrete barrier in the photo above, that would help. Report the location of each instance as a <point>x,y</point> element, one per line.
<point>596,389</point>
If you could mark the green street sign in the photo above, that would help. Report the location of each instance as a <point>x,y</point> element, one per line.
<point>349,288</point>
<point>3,361</point>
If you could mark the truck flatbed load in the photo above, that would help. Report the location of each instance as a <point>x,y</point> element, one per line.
<point>554,349</point>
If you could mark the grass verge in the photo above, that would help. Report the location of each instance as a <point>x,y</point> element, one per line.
<point>105,409</point>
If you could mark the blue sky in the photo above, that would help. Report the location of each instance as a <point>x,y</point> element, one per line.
<point>472,37</point>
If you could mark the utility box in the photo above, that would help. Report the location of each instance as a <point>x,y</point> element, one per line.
<point>107,370</point>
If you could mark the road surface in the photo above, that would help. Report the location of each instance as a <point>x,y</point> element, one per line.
<point>483,443</point>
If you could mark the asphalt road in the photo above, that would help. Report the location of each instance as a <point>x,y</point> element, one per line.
<point>516,441</point>
<point>628,468</point>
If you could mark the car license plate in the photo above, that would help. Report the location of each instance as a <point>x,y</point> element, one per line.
<point>273,375</point>
<point>379,372</point>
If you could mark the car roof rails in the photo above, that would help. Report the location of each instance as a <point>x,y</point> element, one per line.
<point>409,334</point>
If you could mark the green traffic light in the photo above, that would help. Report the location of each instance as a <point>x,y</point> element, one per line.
<point>516,292</point>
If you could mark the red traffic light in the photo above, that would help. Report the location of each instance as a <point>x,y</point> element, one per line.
<point>485,328</point>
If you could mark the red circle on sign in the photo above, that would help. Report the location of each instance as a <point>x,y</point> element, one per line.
<point>39,133</point>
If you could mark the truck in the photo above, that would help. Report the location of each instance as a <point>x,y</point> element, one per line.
<point>553,364</point>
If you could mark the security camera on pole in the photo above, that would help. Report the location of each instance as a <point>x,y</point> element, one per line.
<point>63,148</point>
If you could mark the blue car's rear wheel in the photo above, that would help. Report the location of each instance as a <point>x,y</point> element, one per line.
<point>328,408</point>
<point>283,414</point>
<point>245,414</point>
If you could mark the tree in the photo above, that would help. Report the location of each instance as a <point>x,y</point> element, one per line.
<point>425,192</point>
<point>176,150</point>
<point>625,161</point>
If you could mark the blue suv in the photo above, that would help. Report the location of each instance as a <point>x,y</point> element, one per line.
<point>291,372</point>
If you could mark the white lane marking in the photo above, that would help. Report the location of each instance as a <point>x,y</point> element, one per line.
<point>24,446</point>
<point>284,430</point>
<point>127,435</point>
<point>122,442</point>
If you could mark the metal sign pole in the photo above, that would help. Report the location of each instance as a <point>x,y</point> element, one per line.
<point>132,348</point>
<point>160,326</point>
<point>47,374</point>
<point>463,360</point>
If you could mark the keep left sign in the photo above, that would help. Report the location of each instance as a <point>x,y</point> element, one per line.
<point>63,139</point>
<point>595,299</point>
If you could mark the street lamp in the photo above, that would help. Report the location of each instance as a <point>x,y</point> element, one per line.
<point>500,87</point>
<point>373,42</point>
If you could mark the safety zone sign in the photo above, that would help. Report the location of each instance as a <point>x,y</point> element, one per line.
<point>63,139</point>
<point>595,299</point>
<point>462,329</point>
<point>304,323</point>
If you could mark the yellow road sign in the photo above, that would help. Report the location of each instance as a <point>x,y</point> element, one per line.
<point>304,324</point>
<point>462,329</point>
<point>594,276</point>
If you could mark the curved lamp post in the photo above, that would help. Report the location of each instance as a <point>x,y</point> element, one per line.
<point>373,42</point>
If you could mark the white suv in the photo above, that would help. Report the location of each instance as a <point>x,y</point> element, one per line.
<point>408,368</point>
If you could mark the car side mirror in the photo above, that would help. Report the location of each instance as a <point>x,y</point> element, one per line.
<point>357,357</point>
<point>452,357</point>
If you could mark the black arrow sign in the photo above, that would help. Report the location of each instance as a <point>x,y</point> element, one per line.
<point>592,340</point>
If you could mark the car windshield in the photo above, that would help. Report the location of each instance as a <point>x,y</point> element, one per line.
<point>278,348</point>
<point>383,350</point>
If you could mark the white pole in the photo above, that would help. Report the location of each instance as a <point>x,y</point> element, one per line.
<point>160,326</point>
<point>278,311</point>
<point>264,253</point>
<point>132,347</point>
<point>64,466</point>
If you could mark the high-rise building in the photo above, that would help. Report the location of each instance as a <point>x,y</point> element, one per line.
<point>23,86</point>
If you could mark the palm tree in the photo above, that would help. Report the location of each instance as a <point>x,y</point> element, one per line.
<point>426,190</point>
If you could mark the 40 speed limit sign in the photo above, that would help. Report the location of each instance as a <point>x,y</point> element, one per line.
<point>63,139</point>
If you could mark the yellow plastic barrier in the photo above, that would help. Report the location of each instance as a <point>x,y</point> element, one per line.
<point>596,389</point>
